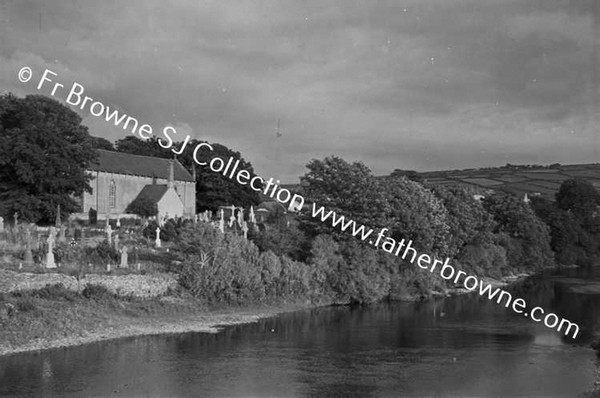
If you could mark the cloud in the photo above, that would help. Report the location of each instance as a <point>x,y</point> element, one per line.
<point>418,84</point>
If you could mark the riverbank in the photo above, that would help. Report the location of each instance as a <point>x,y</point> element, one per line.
<point>45,323</point>
<point>61,317</point>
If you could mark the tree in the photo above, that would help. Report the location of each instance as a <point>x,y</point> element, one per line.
<point>571,243</point>
<point>102,143</point>
<point>214,189</point>
<point>580,198</point>
<point>350,189</point>
<point>525,237</point>
<point>44,152</point>
<point>415,213</point>
<point>468,221</point>
<point>136,146</point>
<point>410,174</point>
<point>143,207</point>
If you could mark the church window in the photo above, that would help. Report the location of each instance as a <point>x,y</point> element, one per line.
<point>112,194</point>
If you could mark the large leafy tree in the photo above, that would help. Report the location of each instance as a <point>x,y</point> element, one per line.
<point>212,189</point>
<point>580,198</point>
<point>417,214</point>
<point>350,189</point>
<point>526,237</point>
<point>44,152</point>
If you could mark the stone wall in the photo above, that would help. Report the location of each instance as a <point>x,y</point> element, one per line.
<point>124,285</point>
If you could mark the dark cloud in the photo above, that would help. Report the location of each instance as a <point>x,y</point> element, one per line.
<point>417,84</point>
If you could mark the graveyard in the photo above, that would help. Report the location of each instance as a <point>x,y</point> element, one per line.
<point>76,282</point>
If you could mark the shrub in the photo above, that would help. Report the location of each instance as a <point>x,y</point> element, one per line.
<point>55,292</point>
<point>168,232</point>
<point>25,304</point>
<point>100,254</point>
<point>143,207</point>
<point>93,216</point>
<point>226,268</point>
<point>96,292</point>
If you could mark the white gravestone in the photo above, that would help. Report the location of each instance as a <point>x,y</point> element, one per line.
<point>108,231</point>
<point>251,215</point>
<point>157,241</point>
<point>245,229</point>
<point>50,256</point>
<point>124,258</point>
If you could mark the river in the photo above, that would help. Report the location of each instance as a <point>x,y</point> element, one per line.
<point>457,346</point>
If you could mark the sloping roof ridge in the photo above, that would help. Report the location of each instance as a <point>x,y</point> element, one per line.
<point>133,164</point>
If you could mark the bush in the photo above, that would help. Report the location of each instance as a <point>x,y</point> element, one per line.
<point>96,292</point>
<point>25,304</point>
<point>55,292</point>
<point>168,232</point>
<point>93,216</point>
<point>101,254</point>
<point>143,207</point>
<point>226,268</point>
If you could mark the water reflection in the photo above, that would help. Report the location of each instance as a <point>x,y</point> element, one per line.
<point>459,346</point>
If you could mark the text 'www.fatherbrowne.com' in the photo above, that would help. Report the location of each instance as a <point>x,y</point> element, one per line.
<point>405,250</point>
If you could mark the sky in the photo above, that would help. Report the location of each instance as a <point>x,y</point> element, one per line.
<point>403,84</point>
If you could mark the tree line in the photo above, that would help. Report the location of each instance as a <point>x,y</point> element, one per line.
<point>44,152</point>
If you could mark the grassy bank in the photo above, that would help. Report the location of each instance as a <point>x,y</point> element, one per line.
<point>50,318</point>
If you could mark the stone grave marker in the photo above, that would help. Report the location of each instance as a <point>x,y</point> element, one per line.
<point>50,255</point>
<point>157,241</point>
<point>245,229</point>
<point>124,258</point>
<point>28,253</point>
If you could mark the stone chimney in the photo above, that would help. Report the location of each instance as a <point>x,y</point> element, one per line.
<point>171,174</point>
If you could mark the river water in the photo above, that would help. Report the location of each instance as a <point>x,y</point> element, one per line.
<point>456,346</point>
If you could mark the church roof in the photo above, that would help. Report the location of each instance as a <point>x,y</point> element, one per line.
<point>147,166</point>
<point>153,192</point>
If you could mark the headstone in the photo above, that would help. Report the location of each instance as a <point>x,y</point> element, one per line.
<point>57,222</point>
<point>245,229</point>
<point>124,257</point>
<point>61,234</point>
<point>232,217</point>
<point>116,242</point>
<point>241,217</point>
<point>157,241</point>
<point>108,231</point>
<point>222,214</point>
<point>1,224</point>
<point>139,267</point>
<point>222,225</point>
<point>28,253</point>
<point>252,215</point>
<point>108,267</point>
<point>20,266</point>
<point>50,256</point>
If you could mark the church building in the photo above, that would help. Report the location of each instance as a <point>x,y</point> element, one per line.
<point>119,178</point>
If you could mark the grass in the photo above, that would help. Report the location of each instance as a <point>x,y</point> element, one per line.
<point>54,316</point>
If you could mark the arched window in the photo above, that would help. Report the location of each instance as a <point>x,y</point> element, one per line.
<point>112,194</point>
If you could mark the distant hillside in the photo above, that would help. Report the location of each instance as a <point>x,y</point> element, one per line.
<point>520,180</point>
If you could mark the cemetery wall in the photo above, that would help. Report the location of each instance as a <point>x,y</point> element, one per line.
<point>123,285</point>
